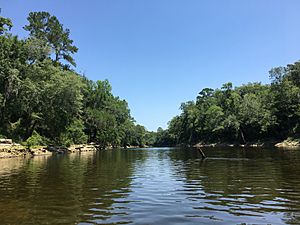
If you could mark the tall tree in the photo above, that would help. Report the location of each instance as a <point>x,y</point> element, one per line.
<point>46,27</point>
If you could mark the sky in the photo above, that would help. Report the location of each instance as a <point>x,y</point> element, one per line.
<point>160,53</point>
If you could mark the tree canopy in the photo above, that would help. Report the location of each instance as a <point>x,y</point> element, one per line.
<point>249,113</point>
<point>44,101</point>
<point>5,24</point>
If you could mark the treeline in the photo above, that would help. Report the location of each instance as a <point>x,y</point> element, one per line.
<point>249,113</point>
<point>44,101</point>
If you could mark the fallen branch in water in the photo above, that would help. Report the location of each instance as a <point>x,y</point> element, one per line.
<point>201,153</point>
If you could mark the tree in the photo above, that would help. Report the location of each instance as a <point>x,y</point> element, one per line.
<point>42,102</point>
<point>45,27</point>
<point>5,24</point>
<point>286,99</point>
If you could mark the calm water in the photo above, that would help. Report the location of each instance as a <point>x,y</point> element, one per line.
<point>153,186</point>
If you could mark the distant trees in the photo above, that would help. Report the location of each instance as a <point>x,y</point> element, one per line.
<point>243,114</point>
<point>43,101</point>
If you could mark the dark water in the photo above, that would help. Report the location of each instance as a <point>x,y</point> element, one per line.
<point>153,186</point>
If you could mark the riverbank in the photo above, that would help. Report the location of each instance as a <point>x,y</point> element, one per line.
<point>288,143</point>
<point>8,149</point>
<point>17,150</point>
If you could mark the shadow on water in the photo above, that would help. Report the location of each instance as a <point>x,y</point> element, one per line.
<point>153,186</point>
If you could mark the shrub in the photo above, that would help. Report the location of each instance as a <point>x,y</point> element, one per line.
<point>35,140</point>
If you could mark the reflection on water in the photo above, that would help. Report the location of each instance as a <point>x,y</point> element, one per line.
<point>153,186</point>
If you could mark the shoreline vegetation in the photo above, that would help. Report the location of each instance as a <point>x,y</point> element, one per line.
<point>44,101</point>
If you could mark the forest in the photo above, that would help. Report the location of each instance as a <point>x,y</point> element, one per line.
<point>44,101</point>
<point>253,112</point>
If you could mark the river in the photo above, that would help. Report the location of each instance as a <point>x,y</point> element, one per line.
<point>153,186</point>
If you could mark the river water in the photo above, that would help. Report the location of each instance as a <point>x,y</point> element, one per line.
<point>153,186</point>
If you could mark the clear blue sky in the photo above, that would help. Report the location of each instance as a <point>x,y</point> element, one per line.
<point>159,53</point>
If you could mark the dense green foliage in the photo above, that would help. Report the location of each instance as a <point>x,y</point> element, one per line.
<point>249,113</point>
<point>44,101</point>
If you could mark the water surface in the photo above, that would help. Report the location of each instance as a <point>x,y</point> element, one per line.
<point>153,186</point>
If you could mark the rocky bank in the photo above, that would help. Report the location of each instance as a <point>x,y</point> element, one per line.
<point>9,149</point>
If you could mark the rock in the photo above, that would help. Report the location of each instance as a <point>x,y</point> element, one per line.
<point>288,143</point>
<point>6,141</point>
<point>41,150</point>
<point>82,148</point>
